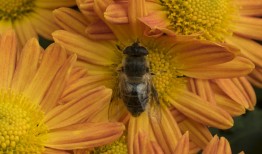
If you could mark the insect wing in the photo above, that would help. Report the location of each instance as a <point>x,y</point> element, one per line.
<point>116,106</point>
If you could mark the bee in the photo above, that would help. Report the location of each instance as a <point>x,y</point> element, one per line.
<point>135,86</point>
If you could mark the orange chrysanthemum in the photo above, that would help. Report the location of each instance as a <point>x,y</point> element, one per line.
<point>35,116</point>
<point>169,59</point>
<point>30,17</point>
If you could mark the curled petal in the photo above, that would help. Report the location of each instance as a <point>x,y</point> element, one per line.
<point>116,12</point>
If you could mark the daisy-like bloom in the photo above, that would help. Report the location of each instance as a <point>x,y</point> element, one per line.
<point>174,61</point>
<point>209,20</point>
<point>30,17</point>
<point>235,22</point>
<point>34,116</point>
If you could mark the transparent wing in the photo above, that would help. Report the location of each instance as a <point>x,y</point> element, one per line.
<point>116,106</point>
<point>154,107</point>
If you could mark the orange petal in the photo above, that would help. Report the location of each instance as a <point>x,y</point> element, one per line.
<point>27,65</point>
<point>87,9</point>
<point>249,27</point>
<point>199,110</point>
<point>81,86</point>
<point>52,151</point>
<point>248,48</point>
<point>122,32</point>
<point>64,17</point>
<point>255,77</point>
<point>203,89</point>
<point>239,90</point>
<point>100,53</point>
<point>166,131</point>
<point>250,8</point>
<point>239,66</point>
<point>87,135</point>
<point>116,12</point>
<point>8,53</point>
<point>229,105</point>
<point>217,146</point>
<point>194,54</point>
<point>78,109</point>
<point>57,86</point>
<point>199,133</point>
<point>53,59</point>
<point>183,144</point>
<point>99,31</point>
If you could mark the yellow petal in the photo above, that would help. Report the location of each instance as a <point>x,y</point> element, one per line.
<point>86,135</point>
<point>87,9</point>
<point>27,65</point>
<point>255,77</point>
<point>78,109</point>
<point>237,67</point>
<point>44,23</point>
<point>25,30</point>
<point>53,59</point>
<point>50,4</point>
<point>64,17</point>
<point>250,8</point>
<point>5,26</point>
<point>52,151</point>
<point>8,53</point>
<point>199,110</point>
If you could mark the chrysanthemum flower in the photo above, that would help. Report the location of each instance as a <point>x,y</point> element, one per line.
<point>218,25</point>
<point>33,117</point>
<point>170,59</point>
<point>30,17</point>
<point>235,22</point>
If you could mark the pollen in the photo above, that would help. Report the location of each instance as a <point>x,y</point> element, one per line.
<point>21,124</point>
<point>15,9</point>
<point>164,73</point>
<point>211,19</point>
<point>119,147</point>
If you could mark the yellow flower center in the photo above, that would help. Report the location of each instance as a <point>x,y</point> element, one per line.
<point>21,125</point>
<point>164,73</point>
<point>119,147</point>
<point>15,9</point>
<point>211,18</point>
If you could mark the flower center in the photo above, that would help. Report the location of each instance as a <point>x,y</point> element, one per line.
<point>165,75</point>
<point>211,18</point>
<point>15,9</point>
<point>21,125</point>
<point>119,147</point>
